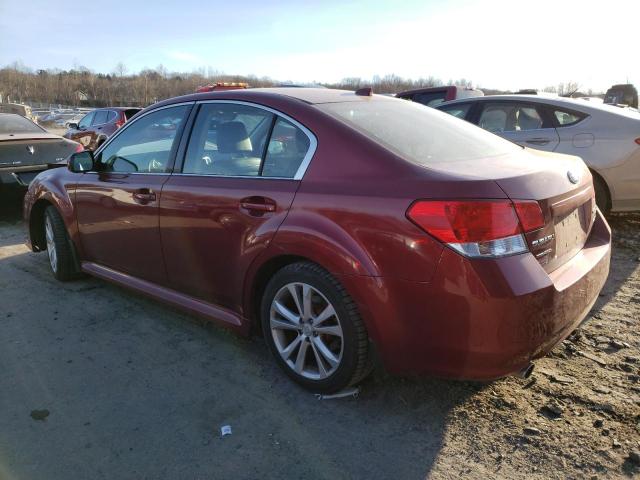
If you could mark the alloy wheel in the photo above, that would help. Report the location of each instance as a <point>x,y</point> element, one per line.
<point>51,244</point>
<point>306,331</point>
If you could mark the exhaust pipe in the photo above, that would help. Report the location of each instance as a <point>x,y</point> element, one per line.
<point>525,372</point>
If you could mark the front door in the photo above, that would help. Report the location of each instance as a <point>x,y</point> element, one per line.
<point>522,123</point>
<point>117,206</point>
<point>239,177</point>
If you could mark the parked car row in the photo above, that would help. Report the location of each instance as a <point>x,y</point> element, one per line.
<point>342,223</point>
<point>605,137</point>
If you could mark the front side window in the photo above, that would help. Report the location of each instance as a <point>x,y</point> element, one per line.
<point>100,117</point>
<point>145,146</point>
<point>239,140</point>
<point>509,117</point>
<point>458,111</point>
<point>565,118</point>
<point>86,120</point>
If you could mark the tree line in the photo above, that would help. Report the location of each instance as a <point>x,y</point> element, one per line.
<point>80,86</point>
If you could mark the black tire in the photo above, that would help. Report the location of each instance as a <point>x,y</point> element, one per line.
<point>355,363</point>
<point>64,267</point>
<point>602,195</point>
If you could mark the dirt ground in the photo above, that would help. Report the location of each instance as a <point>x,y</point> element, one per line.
<point>97,382</point>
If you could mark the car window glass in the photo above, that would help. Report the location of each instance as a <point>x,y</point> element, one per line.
<point>228,139</point>
<point>86,120</point>
<point>100,117</point>
<point>458,111</point>
<point>567,118</point>
<point>11,123</point>
<point>401,126</point>
<point>287,148</point>
<point>111,116</point>
<point>509,117</point>
<point>146,144</point>
<point>430,99</point>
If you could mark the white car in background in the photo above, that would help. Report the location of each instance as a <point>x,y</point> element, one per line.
<point>607,138</point>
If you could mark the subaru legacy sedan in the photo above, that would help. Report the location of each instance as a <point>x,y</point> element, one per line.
<point>343,226</point>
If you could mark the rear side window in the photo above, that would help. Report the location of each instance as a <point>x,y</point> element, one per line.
<point>228,140</point>
<point>100,117</point>
<point>509,117</point>
<point>239,140</point>
<point>422,135</point>
<point>287,148</point>
<point>458,110</point>
<point>565,118</point>
<point>111,116</point>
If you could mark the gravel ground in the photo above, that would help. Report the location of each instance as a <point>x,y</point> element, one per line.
<point>97,382</point>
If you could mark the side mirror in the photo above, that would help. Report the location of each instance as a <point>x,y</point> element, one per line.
<point>81,162</point>
<point>73,125</point>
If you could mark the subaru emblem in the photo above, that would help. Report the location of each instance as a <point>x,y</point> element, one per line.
<point>31,149</point>
<point>574,176</point>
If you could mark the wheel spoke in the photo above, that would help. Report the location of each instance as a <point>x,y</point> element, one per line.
<point>325,315</point>
<point>293,291</point>
<point>279,324</point>
<point>306,301</point>
<point>334,330</point>
<point>302,355</point>
<point>322,371</point>
<point>286,352</point>
<point>325,352</point>
<point>286,313</point>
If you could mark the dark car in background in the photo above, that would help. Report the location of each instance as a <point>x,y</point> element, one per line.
<point>622,94</point>
<point>26,149</point>
<point>433,96</point>
<point>98,125</point>
<point>337,223</point>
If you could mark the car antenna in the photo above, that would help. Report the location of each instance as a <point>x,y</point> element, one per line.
<point>365,91</point>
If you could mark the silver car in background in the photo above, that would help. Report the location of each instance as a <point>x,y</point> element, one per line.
<point>607,138</point>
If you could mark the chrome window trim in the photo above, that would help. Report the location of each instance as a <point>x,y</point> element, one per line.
<point>132,122</point>
<point>302,169</point>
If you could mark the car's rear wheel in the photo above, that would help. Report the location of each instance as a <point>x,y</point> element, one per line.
<point>313,329</point>
<point>59,246</point>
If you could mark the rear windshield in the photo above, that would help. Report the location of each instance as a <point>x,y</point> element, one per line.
<point>16,124</point>
<point>420,134</point>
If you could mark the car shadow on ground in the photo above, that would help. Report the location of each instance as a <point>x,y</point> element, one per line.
<point>625,228</point>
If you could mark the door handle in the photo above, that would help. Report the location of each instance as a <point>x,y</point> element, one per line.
<point>538,141</point>
<point>258,205</point>
<point>144,196</point>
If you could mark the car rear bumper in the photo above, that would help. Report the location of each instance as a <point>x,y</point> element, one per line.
<point>482,319</point>
<point>20,176</point>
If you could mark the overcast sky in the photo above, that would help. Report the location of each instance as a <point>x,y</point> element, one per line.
<point>506,44</point>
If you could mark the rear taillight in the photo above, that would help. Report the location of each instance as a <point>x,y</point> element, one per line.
<point>79,148</point>
<point>478,228</point>
<point>637,140</point>
<point>120,122</point>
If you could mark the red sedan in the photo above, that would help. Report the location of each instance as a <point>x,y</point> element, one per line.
<point>339,224</point>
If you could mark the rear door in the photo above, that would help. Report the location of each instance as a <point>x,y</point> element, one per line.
<point>117,206</point>
<point>219,211</point>
<point>524,123</point>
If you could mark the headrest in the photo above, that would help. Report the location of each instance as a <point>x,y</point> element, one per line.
<point>233,138</point>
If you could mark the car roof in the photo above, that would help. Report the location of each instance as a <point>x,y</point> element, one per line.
<point>307,95</point>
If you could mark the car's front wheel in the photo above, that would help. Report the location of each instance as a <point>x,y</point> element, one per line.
<point>313,329</point>
<point>59,246</point>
